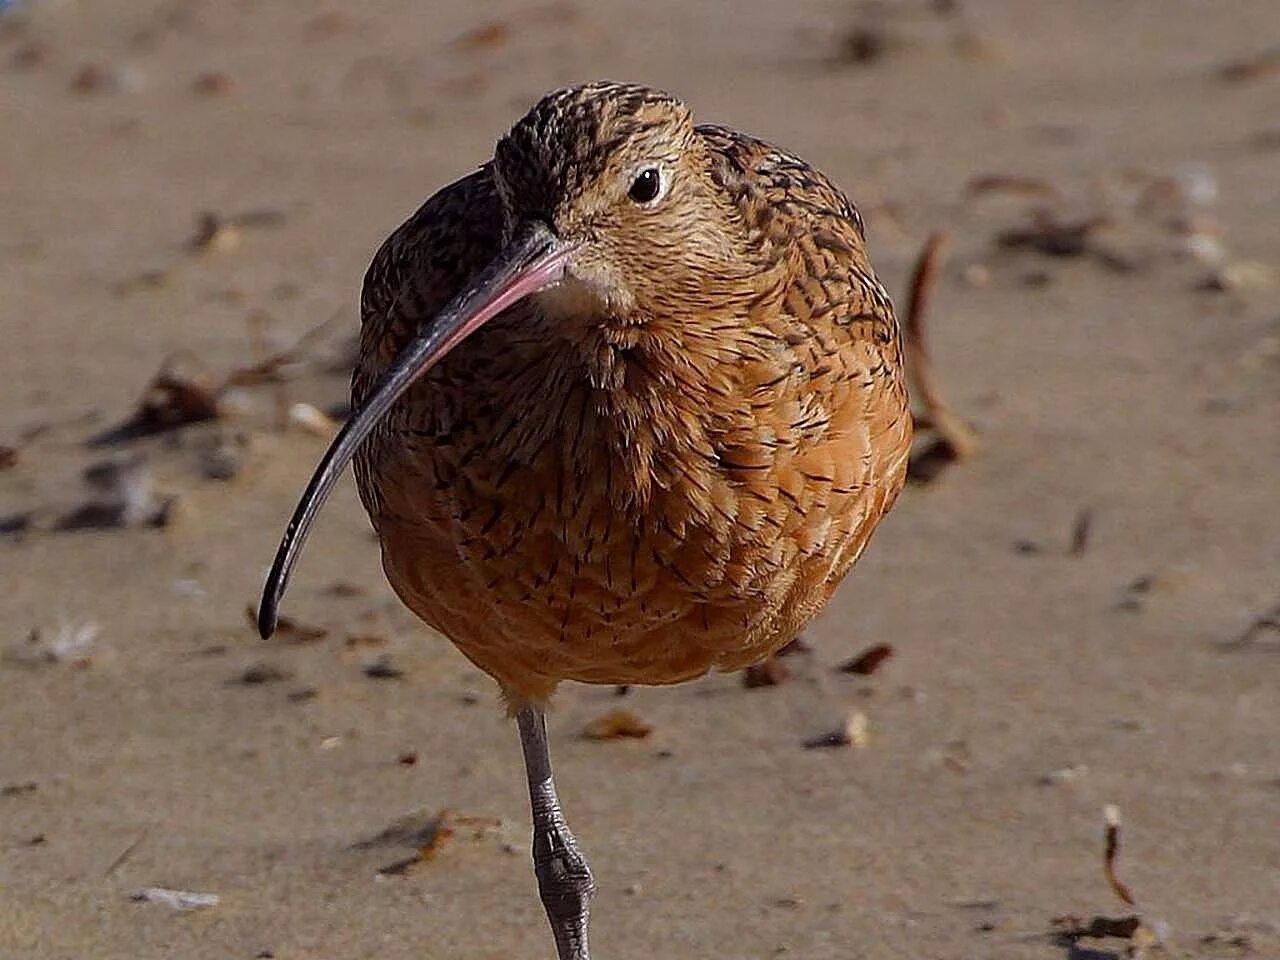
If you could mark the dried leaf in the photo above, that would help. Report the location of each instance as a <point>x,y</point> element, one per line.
<point>868,661</point>
<point>617,725</point>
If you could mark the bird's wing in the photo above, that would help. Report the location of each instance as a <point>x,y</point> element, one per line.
<point>837,433</point>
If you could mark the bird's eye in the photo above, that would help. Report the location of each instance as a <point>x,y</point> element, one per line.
<point>646,186</point>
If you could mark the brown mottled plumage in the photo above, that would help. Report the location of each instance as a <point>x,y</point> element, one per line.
<point>671,414</point>
<point>666,463</point>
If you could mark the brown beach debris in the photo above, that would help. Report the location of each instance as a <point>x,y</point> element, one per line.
<point>31,55</point>
<point>16,525</point>
<point>427,833</point>
<point>212,84</point>
<point>124,855</point>
<point>218,232</point>
<point>1244,277</point>
<point>766,673</point>
<point>1111,851</point>
<point>954,438</point>
<point>1053,237</point>
<point>8,457</point>
<point>262,673</point>
<point>122,495</point>
<point>325,26</point>
<point>1261,628</point>
<point>866,44</point>
<point>1061,775</point>
<point>72,643</point>
<point>1072,928</point>
<point>486,36</point>
<point>345,588</point>
<point>99,78</point>
<point>1080,531</point>
<point>364,640</point>
<point>1006,183</point>
<point>382,667</point>
<point>1141,936</point>
<point>222,458</point>
<point>183,391</point>
<point>854,732</point>
<point>1259,66</point>
<point>868,661</point>
<point>214,233</point>
<point>289,629</point>
<point>617,725</point>
<point>797,644</point>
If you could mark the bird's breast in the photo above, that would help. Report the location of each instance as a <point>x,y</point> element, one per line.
<point>554,532</point>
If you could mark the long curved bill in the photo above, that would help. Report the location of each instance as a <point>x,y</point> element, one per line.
<point>533,260</point>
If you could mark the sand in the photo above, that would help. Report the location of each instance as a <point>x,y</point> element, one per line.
<point>1136,383</point>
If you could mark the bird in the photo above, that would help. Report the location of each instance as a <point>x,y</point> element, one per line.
<point>628,405</point>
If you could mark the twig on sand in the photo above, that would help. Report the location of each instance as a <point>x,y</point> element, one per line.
<point>956,440</point>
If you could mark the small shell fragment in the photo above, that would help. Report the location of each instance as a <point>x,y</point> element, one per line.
<point>312,419</point>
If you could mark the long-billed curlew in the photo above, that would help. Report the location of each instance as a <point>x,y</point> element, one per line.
<point>629,404</point>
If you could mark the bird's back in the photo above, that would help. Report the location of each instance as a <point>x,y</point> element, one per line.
<point>691,512</point>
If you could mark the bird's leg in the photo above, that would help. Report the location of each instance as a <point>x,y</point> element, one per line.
<point>564,879</point>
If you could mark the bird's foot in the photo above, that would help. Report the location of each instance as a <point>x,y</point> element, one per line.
<point>566,887</point>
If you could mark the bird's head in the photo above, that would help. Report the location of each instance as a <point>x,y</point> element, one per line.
<point>618,177</point>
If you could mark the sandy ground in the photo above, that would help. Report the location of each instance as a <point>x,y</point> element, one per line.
<point>1136,383</point>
